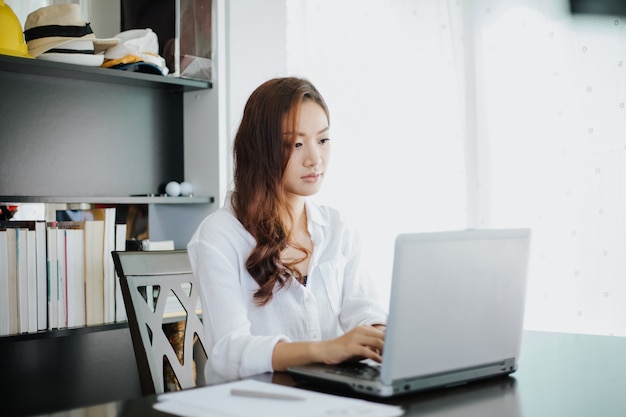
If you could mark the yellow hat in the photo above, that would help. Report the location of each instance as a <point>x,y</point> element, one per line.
<point>11,35</point>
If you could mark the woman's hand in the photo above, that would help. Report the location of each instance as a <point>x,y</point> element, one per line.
<point>362,342</point>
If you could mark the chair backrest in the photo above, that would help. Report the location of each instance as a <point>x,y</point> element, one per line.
<point>161,301</point>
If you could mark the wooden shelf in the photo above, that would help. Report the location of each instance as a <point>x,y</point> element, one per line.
<point>157,199</point>
<point>105,75</point>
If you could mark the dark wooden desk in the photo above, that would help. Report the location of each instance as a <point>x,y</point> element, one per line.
<point>559,375</point>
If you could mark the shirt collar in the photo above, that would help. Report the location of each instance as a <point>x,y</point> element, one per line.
<point>314,214</point>
<point>313,211</point>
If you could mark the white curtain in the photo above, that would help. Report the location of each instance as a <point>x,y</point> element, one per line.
<point>22,8</point>
<point>484,113</point>
<point>554,126</point>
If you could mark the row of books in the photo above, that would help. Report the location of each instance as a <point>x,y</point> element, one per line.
<point>60,274</point>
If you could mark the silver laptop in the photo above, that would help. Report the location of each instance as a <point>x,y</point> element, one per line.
<point>456,315</point>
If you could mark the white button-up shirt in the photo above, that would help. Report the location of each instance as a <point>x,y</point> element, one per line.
<point>242,335</point>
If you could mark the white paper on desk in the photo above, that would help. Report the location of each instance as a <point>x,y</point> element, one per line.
<point>216,401</point>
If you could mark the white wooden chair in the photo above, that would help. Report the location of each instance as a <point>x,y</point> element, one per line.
<point>161,301</point>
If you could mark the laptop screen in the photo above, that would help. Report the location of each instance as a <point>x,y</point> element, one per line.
<point>457,301</point>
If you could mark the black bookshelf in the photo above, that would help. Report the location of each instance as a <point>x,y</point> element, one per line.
<point>106,75</point>
<point>153,199</point>
<point>67,368</point>
<point>80,134</point>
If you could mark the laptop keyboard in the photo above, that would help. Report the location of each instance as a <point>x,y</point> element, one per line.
<point>357,369</point>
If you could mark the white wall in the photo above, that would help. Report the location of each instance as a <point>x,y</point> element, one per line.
<point>104,16</point>
<point>549,118</point>
<point>385,161</point>
<point>255,52</point>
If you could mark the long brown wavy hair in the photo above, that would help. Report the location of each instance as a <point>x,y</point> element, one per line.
<point>263,145</point>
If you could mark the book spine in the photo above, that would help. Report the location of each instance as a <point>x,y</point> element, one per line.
<point>42,280</point>
<point>22,279</point>
<point>4,284</point>
<point>12,269</point>
<point>120,245</point>
<point>108,266</point>
<point>53,269</point>
<point>75,269</point>
<point>94,272</point>
<point>61,286</point>
<point>31,278</point>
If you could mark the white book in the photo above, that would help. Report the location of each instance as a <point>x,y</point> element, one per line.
<point>107,292</point>
<point>67,240</point>
<point>75,276</point>
<point>53,268</point>
<point>61,292</point>
<point>4,284</point>
<point>42,281</point>
<point>120,245</point>
<point>31,271</point>
<point>94,271</point>
<point>160,245</point>
<point>22,279</point>
<point>108,266</point>
<point>12,268</point>
<point>36,270</point>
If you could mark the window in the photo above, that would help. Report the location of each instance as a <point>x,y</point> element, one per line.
<point>454,114</point>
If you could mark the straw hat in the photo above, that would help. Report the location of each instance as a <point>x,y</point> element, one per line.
<point>51,27</point>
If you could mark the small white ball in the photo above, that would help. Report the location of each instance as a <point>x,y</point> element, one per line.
<point>186,189</point>
<point>172,189</point>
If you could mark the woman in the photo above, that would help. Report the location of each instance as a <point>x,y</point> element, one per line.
<point>280,278</point>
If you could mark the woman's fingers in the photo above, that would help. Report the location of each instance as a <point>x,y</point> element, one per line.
<point>362,342</point>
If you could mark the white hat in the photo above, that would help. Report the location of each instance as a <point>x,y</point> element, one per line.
<point>73,52</point>
<point>136,47</point>
<point>51,27</point>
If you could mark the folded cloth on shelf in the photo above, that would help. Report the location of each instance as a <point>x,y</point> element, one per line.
<point>55,30</point>
<point>138,50</point>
